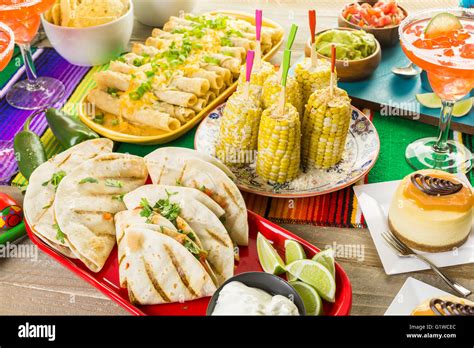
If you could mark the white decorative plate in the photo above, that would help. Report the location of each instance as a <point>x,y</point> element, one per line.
<point>360,154</point>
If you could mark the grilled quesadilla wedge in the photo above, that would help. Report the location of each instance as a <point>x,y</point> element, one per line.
<point>204,176</point>
<point>41,192</point>
<point>163,153</point>
<point>158,223</point>
<point>205,224</point>
<point>159,269</point>
<point>87,200</point>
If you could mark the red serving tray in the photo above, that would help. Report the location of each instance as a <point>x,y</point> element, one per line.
<point>107,280</point>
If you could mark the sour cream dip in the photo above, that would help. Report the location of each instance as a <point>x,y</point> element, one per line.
<point>237,298</point>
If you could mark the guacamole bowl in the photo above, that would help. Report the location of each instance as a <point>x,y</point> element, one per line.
<point>352,66</point>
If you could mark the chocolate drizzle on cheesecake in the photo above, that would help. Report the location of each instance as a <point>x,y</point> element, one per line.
<point>441,307</point>
<point>435,186</point>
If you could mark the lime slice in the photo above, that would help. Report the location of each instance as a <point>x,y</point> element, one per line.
<point>269,259</point>
<point>442,24</point>
<point>430,100</point>
<point>311,299</point>
<point>462,107</point>
<point>314,274</point>
<point>293,251</point>
<point>326,258</point>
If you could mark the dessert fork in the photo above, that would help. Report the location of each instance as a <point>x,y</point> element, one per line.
<point>405,251</point>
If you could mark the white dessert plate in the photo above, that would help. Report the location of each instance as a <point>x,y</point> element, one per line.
<point>360,154</point>
<point>374,200</point>
<point>411,295</point>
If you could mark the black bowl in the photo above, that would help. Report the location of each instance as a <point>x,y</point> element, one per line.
<point>270,283</point>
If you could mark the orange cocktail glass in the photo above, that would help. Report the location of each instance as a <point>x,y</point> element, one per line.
<point>7,44</point>
<point>449,62</point>
<point>23,17</point>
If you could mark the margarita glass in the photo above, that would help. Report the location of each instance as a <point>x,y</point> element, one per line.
<point>7,44</point>
<point>23,17</point>
<point>448,58</point>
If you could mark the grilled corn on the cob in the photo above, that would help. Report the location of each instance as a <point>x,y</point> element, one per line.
<point>239,129</point>
<point>258,76</point>
<point>272,89</point>
<point>312,78</point>
<point>325,128</point>
<point>279,141</point>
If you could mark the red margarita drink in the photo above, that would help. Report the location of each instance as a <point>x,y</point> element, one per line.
<point>442,43</point>
<point>23,17</point>
<point>7,44</point>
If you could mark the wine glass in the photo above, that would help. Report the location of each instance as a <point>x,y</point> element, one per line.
<point>23,17</point>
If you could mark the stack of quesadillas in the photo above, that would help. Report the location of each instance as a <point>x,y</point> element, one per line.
<point>175,238</point>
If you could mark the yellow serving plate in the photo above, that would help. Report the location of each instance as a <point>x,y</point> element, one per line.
<point>170,136</point>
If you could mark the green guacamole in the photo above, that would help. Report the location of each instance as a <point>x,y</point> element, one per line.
<point>350,45</point>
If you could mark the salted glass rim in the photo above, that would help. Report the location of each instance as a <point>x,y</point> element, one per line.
<point>11,44</point>
<point>428,14</point>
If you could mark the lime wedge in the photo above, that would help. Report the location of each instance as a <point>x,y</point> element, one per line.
<point>442,24</point>
<point>462,107</point>
<point>269,259</point>
<point>293,251</point>
<point>430,100</point>
<point>326,258</point>
<point>314,274</point>
<point>311,299</point>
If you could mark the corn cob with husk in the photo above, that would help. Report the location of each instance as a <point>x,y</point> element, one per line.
<point>325,128</point>
<point>239,129</point>
<point>311,78</point>
<point>272,89</point>
<point>279,137</point>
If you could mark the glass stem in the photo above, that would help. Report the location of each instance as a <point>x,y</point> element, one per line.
<point>28,60</point>
<point>444,125</point>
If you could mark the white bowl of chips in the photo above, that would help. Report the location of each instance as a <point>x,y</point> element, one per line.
<point>89,32</point>
<point>156,13</point>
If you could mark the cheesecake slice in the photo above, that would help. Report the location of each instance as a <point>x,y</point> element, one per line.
<point>432,211</point>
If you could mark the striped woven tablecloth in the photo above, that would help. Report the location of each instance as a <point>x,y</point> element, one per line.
<point>337,209</point>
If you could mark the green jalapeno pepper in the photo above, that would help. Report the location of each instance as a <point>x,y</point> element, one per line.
<point>68,129</point>
<point>29,150</point>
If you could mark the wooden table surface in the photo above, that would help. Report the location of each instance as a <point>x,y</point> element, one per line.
<point>41,286</point>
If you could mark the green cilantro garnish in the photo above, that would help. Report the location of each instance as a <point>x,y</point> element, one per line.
<point>55,179</point>
<point>167,209</point>
<point>113,183</point>
<point>147,209</point>
<point>115,122</point>
<point>118,197</point>
<point>89,180</point>
<point>59,234</point>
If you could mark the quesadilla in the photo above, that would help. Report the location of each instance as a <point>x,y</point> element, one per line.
<point>41,192</point>
<point>87,200</point>
<point>158,269</point>
<point>172,203</point>
<point>182,153</point>
<point>156,222</point>
<point>193,172</point>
